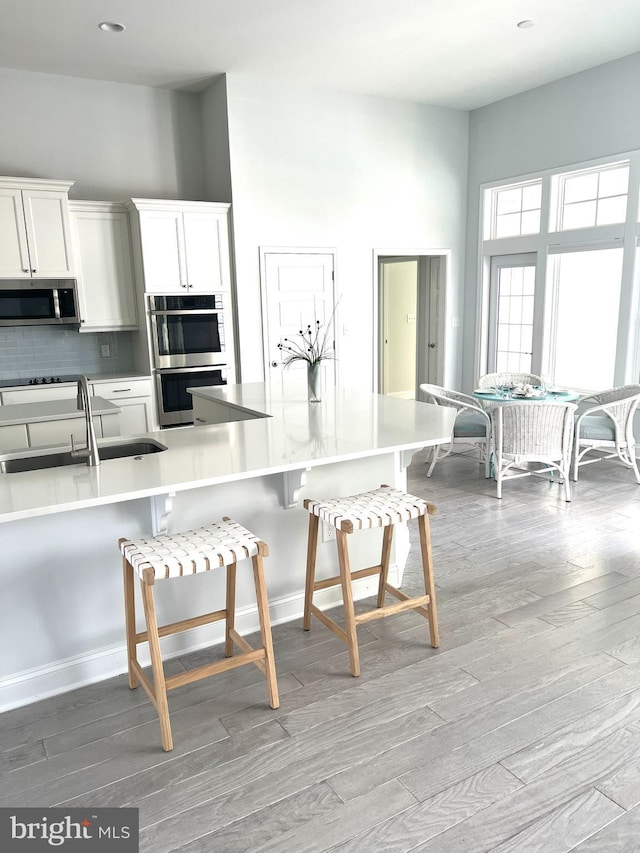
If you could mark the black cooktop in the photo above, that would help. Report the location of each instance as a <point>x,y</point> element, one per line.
<point>38,380</point>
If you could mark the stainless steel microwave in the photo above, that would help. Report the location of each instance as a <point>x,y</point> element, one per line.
<point>38,302</point>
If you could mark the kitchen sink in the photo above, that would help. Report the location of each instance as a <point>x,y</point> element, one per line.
<point>40,458</point>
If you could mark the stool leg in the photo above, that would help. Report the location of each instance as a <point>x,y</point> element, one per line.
<point>347,598</point>
<point>130,620</point>
<point>265,630</point>
<point>231,609</point>
<point>387,538</point>
<point>159,686</point>
<point>312,547</point>
<point>429,585</point>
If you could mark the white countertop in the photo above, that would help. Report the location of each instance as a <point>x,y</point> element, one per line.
<point>52,410</point>
<point>347,424</point>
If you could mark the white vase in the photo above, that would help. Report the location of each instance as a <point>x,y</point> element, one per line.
<point>314,381</point>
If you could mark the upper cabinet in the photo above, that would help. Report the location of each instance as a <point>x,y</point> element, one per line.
<point>184,246</point>
<point>104,266</point>
<point>35,232</point>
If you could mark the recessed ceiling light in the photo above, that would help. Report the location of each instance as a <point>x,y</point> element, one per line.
<point>525,25</point>
<point>112,27</point>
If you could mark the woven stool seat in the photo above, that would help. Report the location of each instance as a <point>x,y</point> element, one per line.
<point>380,508</point>
<point>172,555</point>
<point>175,555</point>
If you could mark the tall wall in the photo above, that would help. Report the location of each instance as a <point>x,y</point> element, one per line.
<point>314,168</point>
<point>592,114</point>
<point>114,140</point>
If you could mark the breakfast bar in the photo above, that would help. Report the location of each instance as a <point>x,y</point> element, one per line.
<point>61,611</point>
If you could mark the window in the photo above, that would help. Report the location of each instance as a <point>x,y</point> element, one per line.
<point>592,197</point>
<point>585,304</point>
<point>563,301</point>
<point>512,298</point>
<point>515,210</point>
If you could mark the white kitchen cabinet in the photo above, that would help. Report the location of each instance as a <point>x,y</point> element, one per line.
<point>135,399</point>
<point>35,230</point>
<point>104,266</point>
<point>134,395</point>
<point>183,246</point>
<point>59,432</point>
<point>13,437</point>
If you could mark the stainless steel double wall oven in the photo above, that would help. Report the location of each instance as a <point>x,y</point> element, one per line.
<point>189,350</point>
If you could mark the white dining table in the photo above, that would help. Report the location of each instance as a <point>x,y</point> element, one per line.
<point>540,395</point>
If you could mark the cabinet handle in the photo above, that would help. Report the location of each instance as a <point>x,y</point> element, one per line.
<point>120,390</point>
<point>201,420</point>
<point>34,270</point>
<point>25,269</point>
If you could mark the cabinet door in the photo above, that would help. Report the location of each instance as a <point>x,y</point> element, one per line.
<point>134,397</point>
<point>13,437</point>
<point>203,240</point>
<point>14,253</point>
<point>136,416</point>
<point>163,260</point>
<point>102,247</point>
<point>46,214</point>
<point>58,433</point>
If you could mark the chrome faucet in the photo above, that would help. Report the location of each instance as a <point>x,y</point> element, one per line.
<point>90,452</point>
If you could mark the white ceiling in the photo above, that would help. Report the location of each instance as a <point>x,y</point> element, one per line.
<point>456,53</point>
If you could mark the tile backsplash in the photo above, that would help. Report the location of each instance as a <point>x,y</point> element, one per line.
<point>30,351</point>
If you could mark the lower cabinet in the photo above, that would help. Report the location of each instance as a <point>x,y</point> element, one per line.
<point>134,397</point>
<point>13,437</point>
<point>58,432</point>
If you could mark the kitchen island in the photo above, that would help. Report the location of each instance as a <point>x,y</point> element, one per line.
<point>61,611</point>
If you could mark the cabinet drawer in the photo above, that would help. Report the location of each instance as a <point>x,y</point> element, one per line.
<point>112,390</point>
<point>13,437</point>
<point>37,395</point>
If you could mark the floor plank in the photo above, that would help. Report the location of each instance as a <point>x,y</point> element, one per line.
<point>521,732</point>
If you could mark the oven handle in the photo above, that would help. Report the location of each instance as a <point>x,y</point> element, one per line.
<point>181,312</point>
<point>209,367</point>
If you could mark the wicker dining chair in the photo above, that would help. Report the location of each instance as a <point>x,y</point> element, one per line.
<point>530,433</point>
<point>472,425</point>
<point>607,428</point>
<point>495,380</point>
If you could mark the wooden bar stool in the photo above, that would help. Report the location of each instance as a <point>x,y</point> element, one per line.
<point>383,507</point>
<point>176,555</point>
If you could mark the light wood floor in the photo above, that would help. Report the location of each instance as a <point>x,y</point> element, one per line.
<point>520,733</point>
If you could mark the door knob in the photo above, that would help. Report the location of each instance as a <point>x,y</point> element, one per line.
<point>274,364</point>
<point>432,346</point>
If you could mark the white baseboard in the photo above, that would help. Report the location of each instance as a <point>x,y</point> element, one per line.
<point>71,673</point>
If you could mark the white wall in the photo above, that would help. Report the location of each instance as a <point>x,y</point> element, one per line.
<point>115,140</point>
<point>318,168</point>
<point>215,130</point>
<point>592,114</point>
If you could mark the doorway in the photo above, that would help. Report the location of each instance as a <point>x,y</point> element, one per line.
<point>410,328</point>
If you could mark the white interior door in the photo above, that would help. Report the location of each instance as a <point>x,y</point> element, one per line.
<point>298,289</point>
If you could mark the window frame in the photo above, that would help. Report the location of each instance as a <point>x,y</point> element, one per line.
<point>548,241</point>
